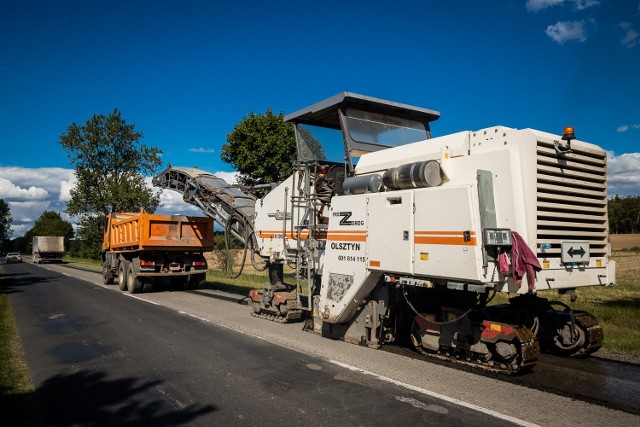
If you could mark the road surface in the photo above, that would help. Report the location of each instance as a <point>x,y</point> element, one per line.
<point>179,358</point>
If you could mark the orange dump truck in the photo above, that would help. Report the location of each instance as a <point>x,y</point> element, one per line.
<point>142,249</point>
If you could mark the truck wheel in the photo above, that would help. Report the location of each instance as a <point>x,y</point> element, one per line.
<point>199,279</point>
<point>107,278</point>
<point>123,268</point>
<point>133,283</point>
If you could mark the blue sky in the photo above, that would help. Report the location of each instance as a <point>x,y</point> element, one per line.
<point>185,72</point>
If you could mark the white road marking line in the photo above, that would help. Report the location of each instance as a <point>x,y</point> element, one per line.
<point>439,396</point>
<point>140,299</point>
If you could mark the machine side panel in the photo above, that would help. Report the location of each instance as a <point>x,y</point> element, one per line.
<point>344,283</point>
<point>390,232</point>
<point>448,237</point>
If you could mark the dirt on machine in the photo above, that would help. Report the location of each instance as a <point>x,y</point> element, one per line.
<point>141,250</point>
<point>396,236</point>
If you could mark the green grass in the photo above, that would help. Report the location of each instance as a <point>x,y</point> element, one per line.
<point>16,390</point>
<point>83,262</point>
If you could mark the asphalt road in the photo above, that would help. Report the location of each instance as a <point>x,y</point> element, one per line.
<point>98,357</point>
<point>170,354</point>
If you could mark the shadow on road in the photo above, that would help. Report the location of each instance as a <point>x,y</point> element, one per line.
<point>90,399</point>
<point>10,283</point>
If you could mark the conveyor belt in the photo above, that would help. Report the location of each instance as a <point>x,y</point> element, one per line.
<point>217,198</point>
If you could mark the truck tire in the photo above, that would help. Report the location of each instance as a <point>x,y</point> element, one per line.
<point>133,283</point>
<point>107,277</point>
<point>123,268</point>
<point>194,281</point>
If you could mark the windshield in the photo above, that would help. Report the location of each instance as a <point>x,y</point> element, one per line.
<point>383,130</point>
<point>319,143</point>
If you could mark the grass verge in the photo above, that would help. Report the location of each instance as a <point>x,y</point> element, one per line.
<point>16,391</point>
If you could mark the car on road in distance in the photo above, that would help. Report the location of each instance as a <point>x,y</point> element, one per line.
<point>13,257</point>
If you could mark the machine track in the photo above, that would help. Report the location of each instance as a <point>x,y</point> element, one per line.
<point>528,356</point>
<point>594,335</point>
<point>291,316</point>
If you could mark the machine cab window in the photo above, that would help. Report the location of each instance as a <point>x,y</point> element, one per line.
<point>344,127</point>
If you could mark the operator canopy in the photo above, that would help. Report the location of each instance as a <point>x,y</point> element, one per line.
<point>349,125</point>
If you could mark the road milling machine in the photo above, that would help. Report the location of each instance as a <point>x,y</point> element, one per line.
<point>398,237</point>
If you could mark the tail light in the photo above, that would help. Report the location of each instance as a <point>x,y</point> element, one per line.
<point>199,264</point>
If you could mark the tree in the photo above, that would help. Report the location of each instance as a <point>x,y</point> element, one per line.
<point>110,166</point>
<point>5,220</point>
<point>50,223</point>
<point>261,148</point>
<point>624,214</point>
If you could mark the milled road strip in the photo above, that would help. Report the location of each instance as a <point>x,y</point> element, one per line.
<point>520,402</point>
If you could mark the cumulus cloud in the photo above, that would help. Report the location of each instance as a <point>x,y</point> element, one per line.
<point>538,5</point>
<point>564,31</point>
<point>65,188</point>
<point>201,150</point>
<point>623,174</point>
<point>631,38</point>
<point>31,191</point>
<point>10,191</point>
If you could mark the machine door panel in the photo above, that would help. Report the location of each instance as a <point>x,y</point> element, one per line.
<point>447,235</point>
<point>390,231</point>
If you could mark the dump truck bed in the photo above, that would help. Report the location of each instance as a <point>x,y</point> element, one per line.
<point>48,244</point>
<point>143,231</point>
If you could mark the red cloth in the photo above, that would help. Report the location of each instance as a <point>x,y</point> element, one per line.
<point>523,261</point>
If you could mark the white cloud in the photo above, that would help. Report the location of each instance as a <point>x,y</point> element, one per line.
<point>564,31</point>
<point>539,5</point>
<point>625,128</point>
<point>10,191</point>
<point>631,38</point>
<point>623,174</point>
<point>201,150</point>
<point>230,177</point>
<point>65,188</point>
<point>27,212</point>
<point>585,4</point>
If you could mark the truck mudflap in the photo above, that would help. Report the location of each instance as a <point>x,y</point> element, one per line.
<point>493,346</point>
<point>275,305</point>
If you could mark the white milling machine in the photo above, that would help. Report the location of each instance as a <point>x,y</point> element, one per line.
<point>395,236</point>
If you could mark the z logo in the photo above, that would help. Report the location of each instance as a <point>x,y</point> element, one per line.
<point>345,219</point>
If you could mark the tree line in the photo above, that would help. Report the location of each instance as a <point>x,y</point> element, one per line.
<point>624,215</point>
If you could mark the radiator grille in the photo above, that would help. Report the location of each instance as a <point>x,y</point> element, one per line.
<point>571,199</point>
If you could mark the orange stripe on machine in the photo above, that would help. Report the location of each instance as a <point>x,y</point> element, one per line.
<point>461,238</point>
<point>347,235</point>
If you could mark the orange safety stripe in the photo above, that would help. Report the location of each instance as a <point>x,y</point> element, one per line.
<point>347,235</point>
<point>444,238</point>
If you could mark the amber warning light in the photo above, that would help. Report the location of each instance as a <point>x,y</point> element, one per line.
<point>568,134</point>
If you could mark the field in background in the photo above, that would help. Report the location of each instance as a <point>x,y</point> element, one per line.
<point>621,242</point>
